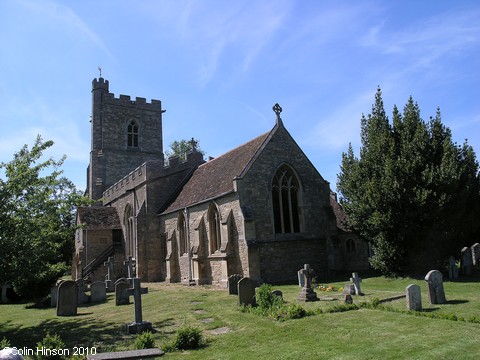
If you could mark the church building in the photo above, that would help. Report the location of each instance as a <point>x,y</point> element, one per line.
<point>261,210</point>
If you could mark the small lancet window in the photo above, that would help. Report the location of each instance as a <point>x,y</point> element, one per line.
<point>132,134</point>
<point>285,197</point>
<point>182,238</point>
<point>214,229</point>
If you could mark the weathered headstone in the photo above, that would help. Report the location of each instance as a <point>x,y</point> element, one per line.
<point>307,293</point>
<point>98,292</point>
<point>54,293</point>
<point>301,278</point>
<point>4,299</point>
<point>349,289</point>
<point>452,268</point>
<point>246,292</point>
<point>82,297</point>
<point>121,295</point>
<point>67,298</point>
<point>348,299</point>
<point>130,265</point>
<point>435,291</point>
<point>233,284</point>
<point>356,282</point>
<point>138,325</point>
<point>414,297</point>
<point>476,255</point>
<point>466,261</point>
<point>278,293</point>
<point>110,277</point>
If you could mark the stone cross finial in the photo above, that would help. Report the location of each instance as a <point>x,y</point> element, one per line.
<point>100,70</point>
<point>277,109</point>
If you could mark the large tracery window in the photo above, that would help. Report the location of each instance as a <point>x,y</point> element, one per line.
<point>285,197</point>
<point>132,134</point>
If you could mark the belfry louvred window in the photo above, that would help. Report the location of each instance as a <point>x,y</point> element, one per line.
<point>285,197</point>
<point>132,134</point>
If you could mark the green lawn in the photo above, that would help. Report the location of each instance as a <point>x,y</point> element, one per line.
<point>231,334</point>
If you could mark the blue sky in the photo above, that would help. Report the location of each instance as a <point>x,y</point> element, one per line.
<point>219,66</point>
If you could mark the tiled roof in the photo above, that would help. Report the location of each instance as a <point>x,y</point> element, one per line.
<point>340,215</point>
<point>99,217</point>
<point>216,176</point>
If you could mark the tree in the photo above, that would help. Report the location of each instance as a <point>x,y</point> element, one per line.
<point>37,221</point>
<point>413,193</point>
<point>182,147</point>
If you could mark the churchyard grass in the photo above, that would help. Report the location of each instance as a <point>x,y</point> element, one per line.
<point>365,333</point>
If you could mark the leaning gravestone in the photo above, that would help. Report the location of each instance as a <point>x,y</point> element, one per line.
<point>121,295</point>
<point>98,292</point>
<point>301,278</point>
<point>476,255</point>
<point>67,298</point>
<point>435,291</point>
<point>246,292</point>
<point>466,261</point>
<point>452,268</point>
<point>348,289</point>
<point>233,284</point>
<point>414,298</point>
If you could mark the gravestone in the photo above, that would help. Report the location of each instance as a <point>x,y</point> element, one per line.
<point>121,294</point>
<point>414,297</point>
<point>466,261</point>
<point>246,292</point>
<point>349,289</point>
<point>348,299</point>
<point>4,299</point>
<point>435,291</point>
<point>82,297</point>
<point>356,282</point>
<point>452,268</point>
<point>138,325</point>
<point>110,278</point>
<point>98,292</point>
<point>301,278</point>
<point>278,293</point>
<point>476,255</point>
<point>130,265</point>
<point>67,298</point>
<point>307,293</point>
<point>54,293</point>
<point>233,284</point>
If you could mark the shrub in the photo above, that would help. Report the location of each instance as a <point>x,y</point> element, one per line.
<point>188,338</point>
<point>265,299</point>
<point>289,311</point>
<point>4,343</point>
<point>53,346</point>
<point>144,341</point>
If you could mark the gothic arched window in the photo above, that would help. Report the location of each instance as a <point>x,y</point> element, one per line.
<point>285,197</point>
<point>132,134</point>
<point>182,238</point>
<point>214,229</point>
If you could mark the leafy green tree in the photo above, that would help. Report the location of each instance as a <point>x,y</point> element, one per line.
<point>37,221</point>
<point>413,193</point>
<point>182,147</point>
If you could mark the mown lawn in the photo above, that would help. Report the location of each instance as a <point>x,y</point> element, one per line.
<point>232,334</point>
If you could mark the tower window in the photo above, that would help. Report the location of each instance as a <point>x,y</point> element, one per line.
<point>285,197</point>
<point>132,134</point>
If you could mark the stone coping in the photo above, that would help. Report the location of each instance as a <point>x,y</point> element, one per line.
<point>129,354</point>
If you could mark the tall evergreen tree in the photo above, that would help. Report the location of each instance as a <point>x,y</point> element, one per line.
<point>413,193</point>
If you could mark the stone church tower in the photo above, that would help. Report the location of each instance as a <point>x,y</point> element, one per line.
<point>125,134</point>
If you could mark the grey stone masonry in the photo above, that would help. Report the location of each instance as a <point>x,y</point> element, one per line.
<point>98,292</point>
<point>414,297</point>
<point>435,291</point>
<point>121,295</point>
<point>130,267</point>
